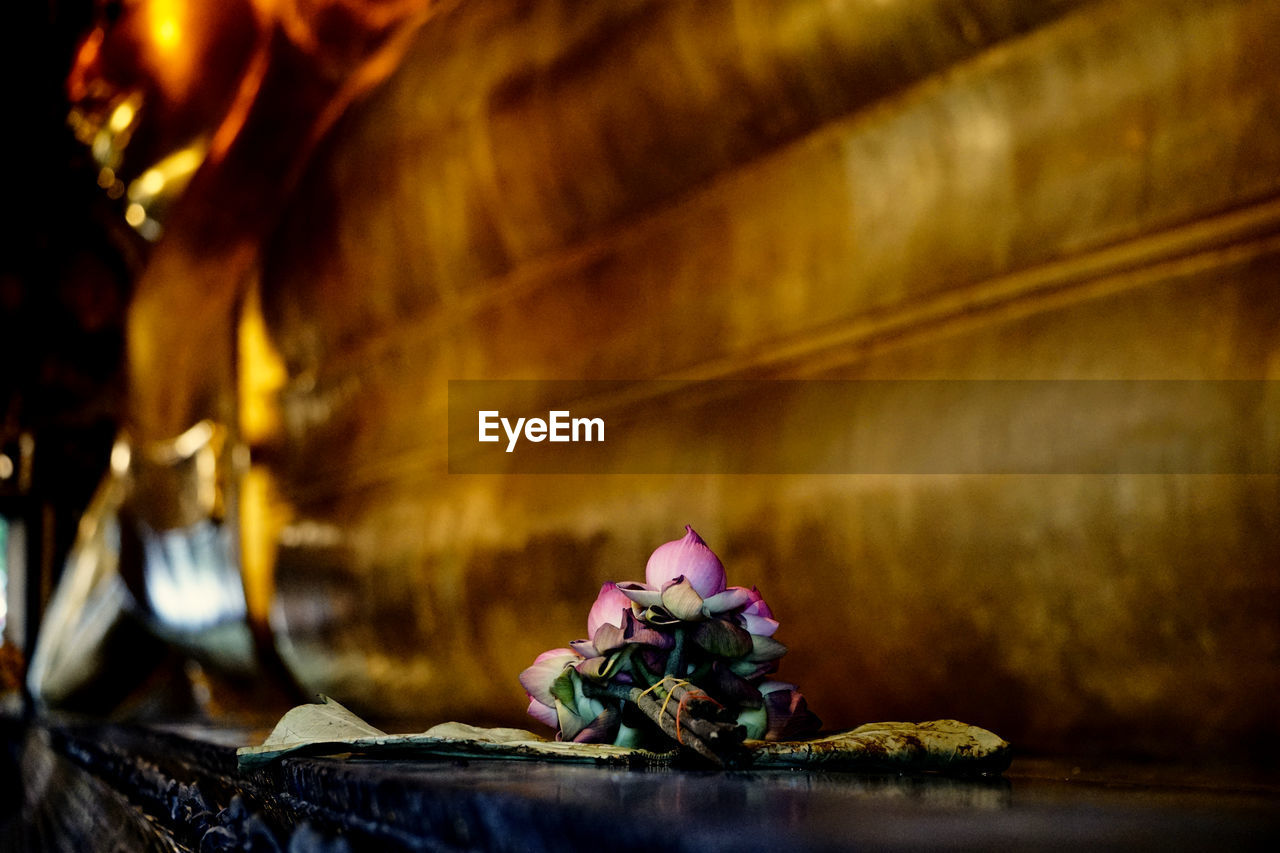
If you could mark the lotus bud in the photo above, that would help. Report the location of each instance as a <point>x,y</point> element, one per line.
<point>546,668</point>
<point>607,609</point>
<point>688,557</point>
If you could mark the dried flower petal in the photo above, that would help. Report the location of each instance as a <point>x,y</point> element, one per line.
<point>642,594</point>
<point>757,617</point>
<point>731,599</point>
<point>609,637</point>
<point>594,668</point>
<point>765,648</point>
<point>761,626</point>
<point>600,730</point>
<point>758,605</point>
<point>751,670</point>
<point>639,633</point>
<point>681,600</point>
<point>788,713</point>
<point>731,689</point>
<point>722,638</point>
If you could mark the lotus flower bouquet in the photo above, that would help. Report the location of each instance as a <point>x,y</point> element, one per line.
<point>681,657</point>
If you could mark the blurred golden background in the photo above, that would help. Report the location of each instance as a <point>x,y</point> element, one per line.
<point>336,208</point>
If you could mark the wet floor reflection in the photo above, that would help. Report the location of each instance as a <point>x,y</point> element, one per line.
<point>532,806</point>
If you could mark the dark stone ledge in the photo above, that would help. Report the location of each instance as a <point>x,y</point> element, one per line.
<point>117,787</point>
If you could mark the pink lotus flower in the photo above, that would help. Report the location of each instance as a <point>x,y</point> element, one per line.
<point>750,607</point>
<point>757,617</point>
<point>538,678</point>
<point>684,622</point>
<point>689,558</point>
<point>564,705</point>
<point>543,714</point>
<point>682,578</point>
<point>608,609</point>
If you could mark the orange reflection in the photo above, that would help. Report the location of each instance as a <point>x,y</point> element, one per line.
<point>175,63</point>
<point>164,24</point>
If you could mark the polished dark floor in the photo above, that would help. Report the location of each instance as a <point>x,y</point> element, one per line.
<point>179,788</point>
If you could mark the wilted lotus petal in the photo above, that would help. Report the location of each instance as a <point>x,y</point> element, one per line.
<point>607,609</point>
<point>765,648</point>
<point>609,637</point>
<point>600,730</point>
<point>543,714</point>
<point>638,633</point>
<point>731,599</point>
<point>774,686</point>
<point>788,713</point>
<point>642,594</point>
<point>584,648</point>
<point>751,670</point>
<point>594,668</point>
<point>568,722</point>
<point>689,557</point>
<point>757,619</point>
<point>725,686</point>
<point>652,659</point>
<point>758,720</point>
<point>758,605</point>
<point>681,600</point>
<point>658,616</point>
<point>546,668</point>
<point>722,638</point>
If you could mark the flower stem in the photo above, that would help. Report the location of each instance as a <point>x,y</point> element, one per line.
<point>608,690</point>
<point>691,718</point>
<point>675,661</point>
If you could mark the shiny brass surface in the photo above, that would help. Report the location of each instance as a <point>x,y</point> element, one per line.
<point>793,188</point>
<point>201,116</point>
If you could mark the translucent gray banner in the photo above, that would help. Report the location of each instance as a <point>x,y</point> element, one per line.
<point>865,427</point>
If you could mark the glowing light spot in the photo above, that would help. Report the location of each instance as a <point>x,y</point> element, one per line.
<point>262,374</point>
<point>122,117</point>
<point>106,177</point>
<point>151,182</point>
<point>135,215</point>
<point>90,48</point>
<point>102,150</point>
<point>191,581</point>
<point>120,457</point>
<point>164,24</point>
<point>150,230</point>
<point>6,467</point>
<point>169,176</point>
<point>184,162</point>
<point>191,442</point>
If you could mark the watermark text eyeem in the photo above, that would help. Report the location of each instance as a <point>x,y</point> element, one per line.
<point>559,426</point>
